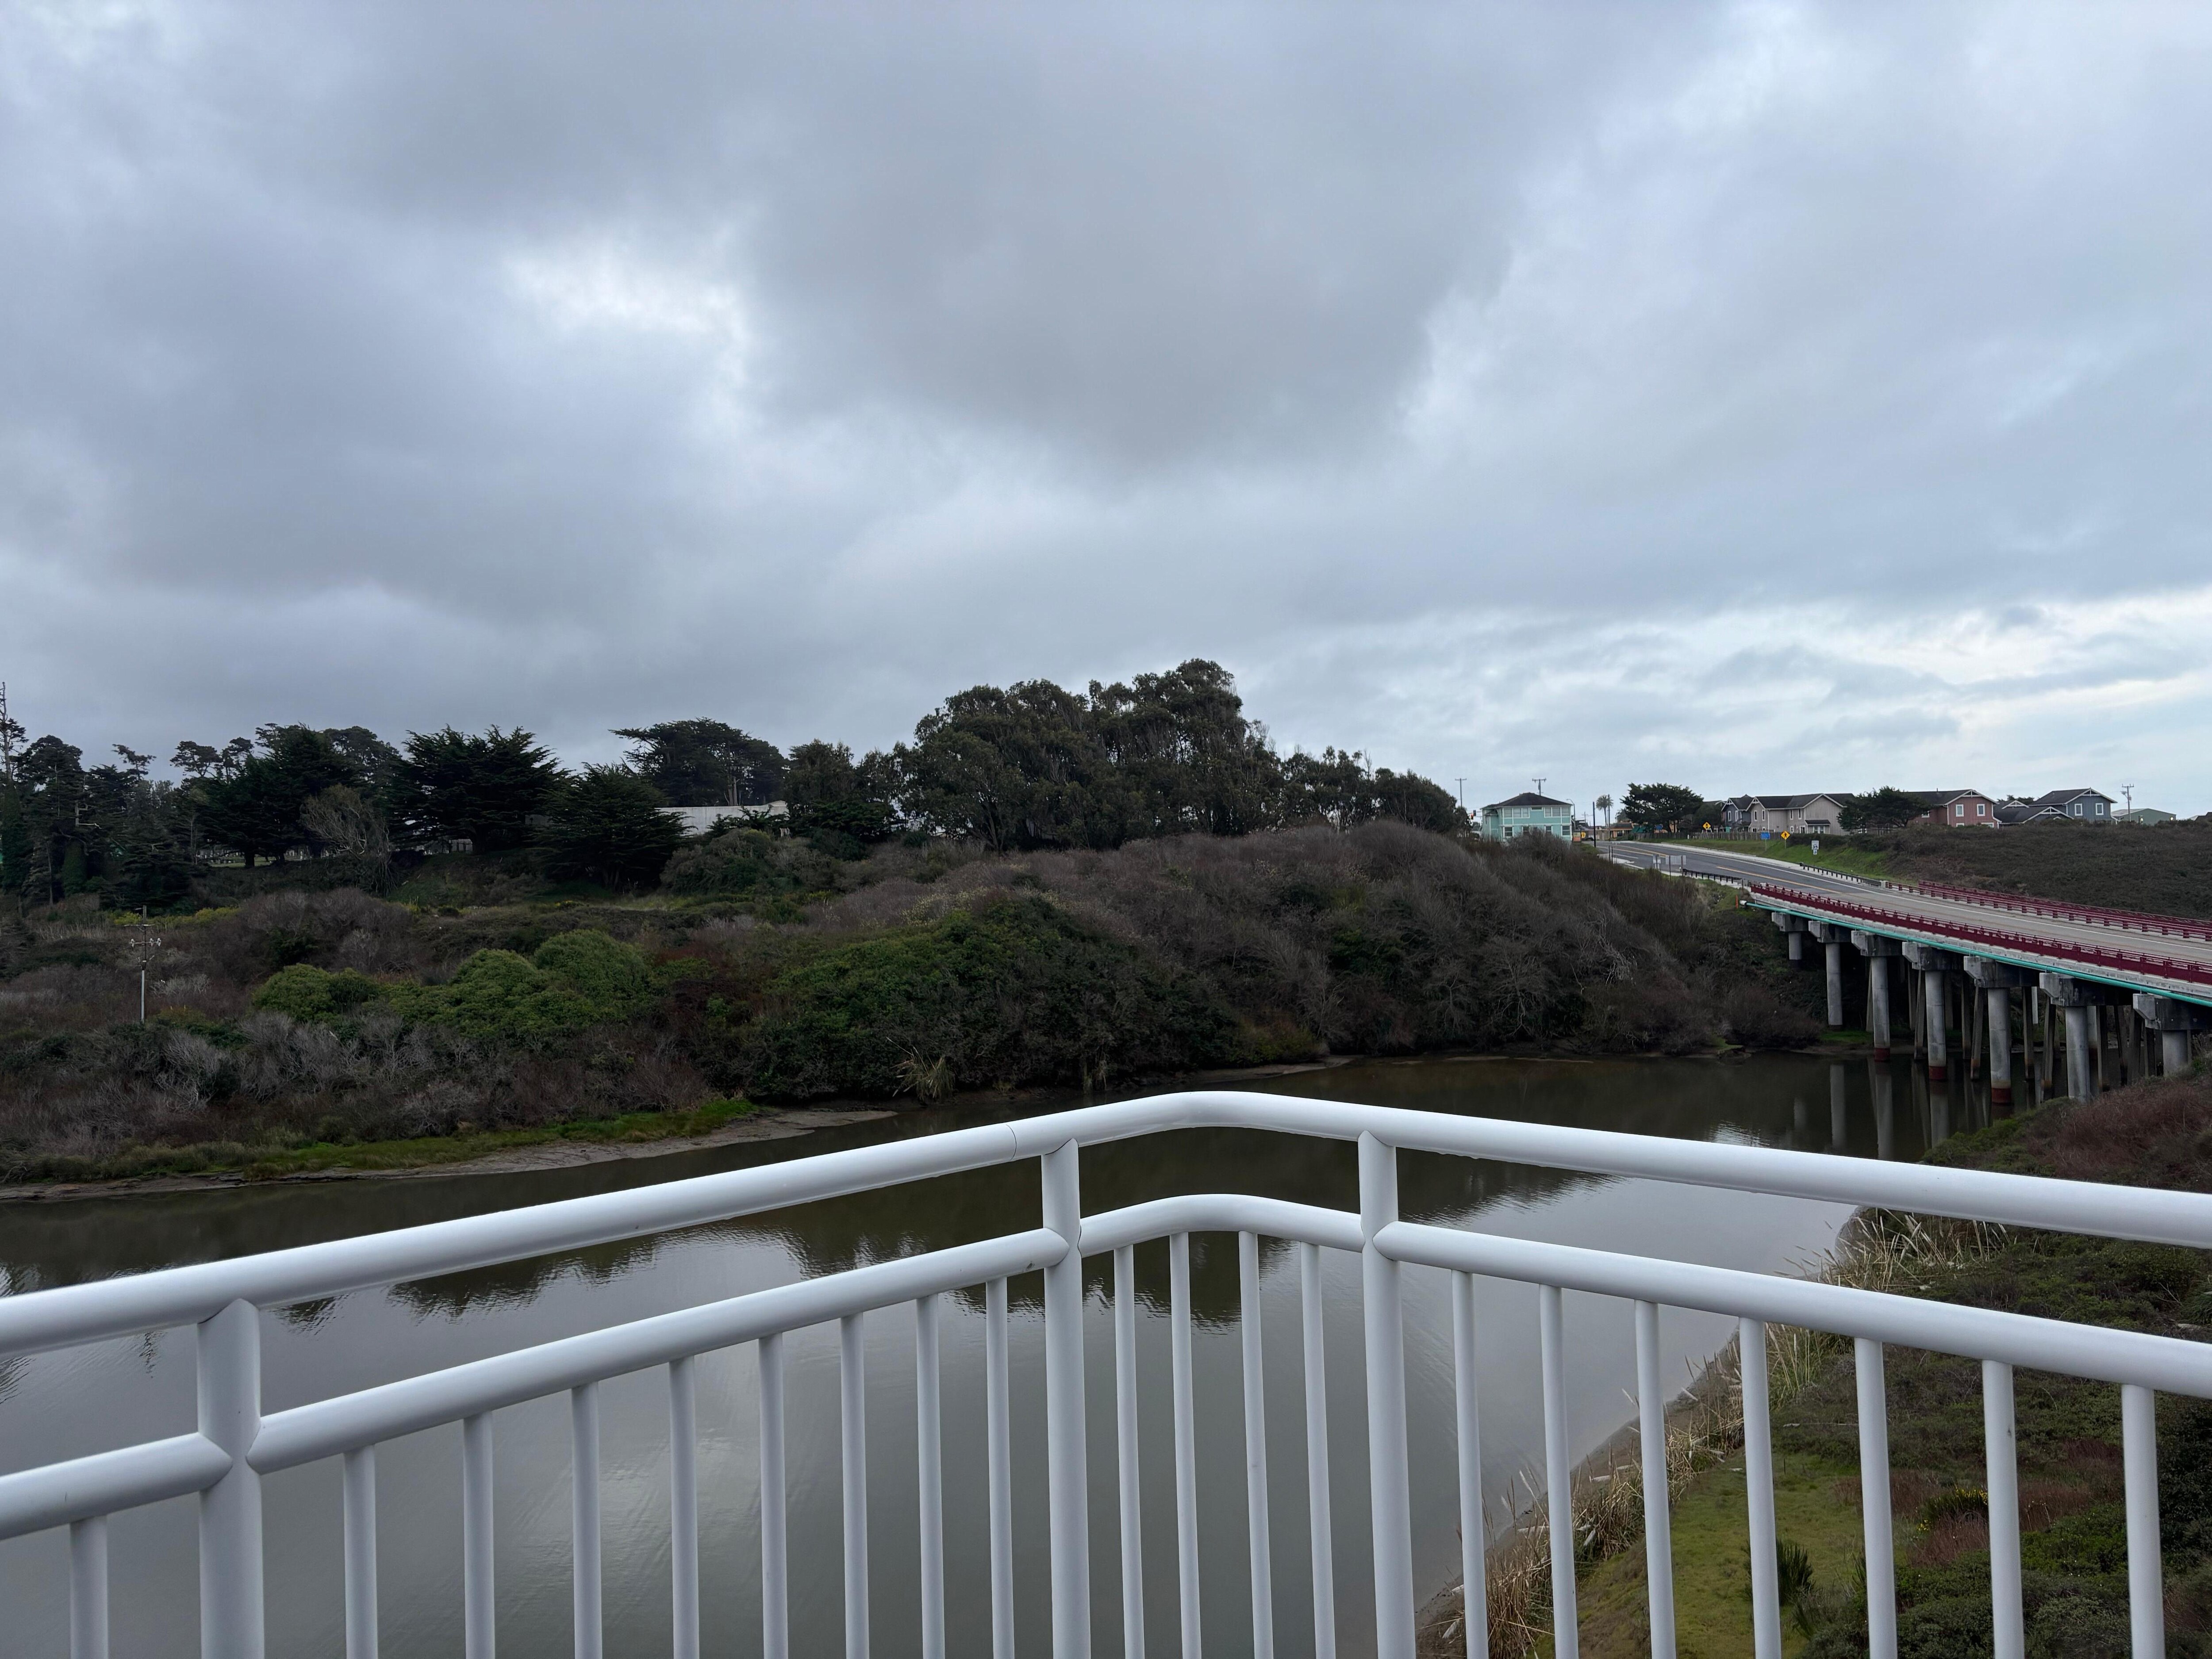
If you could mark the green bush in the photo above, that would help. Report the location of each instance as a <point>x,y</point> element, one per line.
<point>307,993</point>
<point>747,863</point>
<point>501,995</point>
<point>612,977</point>
<point>574,980</point>
<point>1016,991</point>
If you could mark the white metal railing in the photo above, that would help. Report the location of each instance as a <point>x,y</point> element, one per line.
<point>235,1444</point>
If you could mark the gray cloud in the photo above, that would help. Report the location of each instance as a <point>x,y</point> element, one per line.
<point>578,365</point>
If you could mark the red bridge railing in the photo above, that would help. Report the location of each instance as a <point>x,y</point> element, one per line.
<point>1994,938</point>
<point>2061,910</point>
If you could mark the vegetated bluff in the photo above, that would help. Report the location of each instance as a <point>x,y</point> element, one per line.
<point>918,970</point>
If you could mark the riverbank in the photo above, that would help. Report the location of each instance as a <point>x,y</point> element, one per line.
<point>504,1152</point>
<point>555,1146</point>
<point>2156,1134</point>
<point>304,1018</point>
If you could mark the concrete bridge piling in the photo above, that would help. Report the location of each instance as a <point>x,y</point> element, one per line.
<point>1935,966</point>
<point>2175,1023</point>
<point>1793,930</point>
<point>1832,936</point>
<point>1998,980</point>
<point>1879,951</point>
<point>2078,1002</point>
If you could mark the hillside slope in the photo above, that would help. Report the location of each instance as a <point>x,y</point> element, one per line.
<point>335,1017</point>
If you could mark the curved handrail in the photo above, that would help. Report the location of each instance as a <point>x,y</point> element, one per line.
<point>61,1318</point>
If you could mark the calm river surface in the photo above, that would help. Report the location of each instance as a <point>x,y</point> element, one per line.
<point>87,1400</point>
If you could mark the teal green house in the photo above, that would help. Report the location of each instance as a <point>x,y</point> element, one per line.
<point>1527,814</point>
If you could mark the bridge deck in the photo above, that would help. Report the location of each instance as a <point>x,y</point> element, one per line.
<point>2171,955</point>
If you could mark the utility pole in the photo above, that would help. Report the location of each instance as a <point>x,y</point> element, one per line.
<point>145,947</point>
<point>1462,795</point>
<point>2128,790</point>
<point>1540,786</point>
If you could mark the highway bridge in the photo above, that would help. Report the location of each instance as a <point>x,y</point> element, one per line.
<point>2115,979</point>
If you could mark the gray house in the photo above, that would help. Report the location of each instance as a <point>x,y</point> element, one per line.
<point>1818,814</point>
<point>2076,805</point>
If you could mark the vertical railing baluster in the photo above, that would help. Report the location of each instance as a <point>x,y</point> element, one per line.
<point>1186,1444</point>
<point>1658,1523</point>
<point>2146,1573</point>
<point>1319,1522</point>
<point>1873,1500</point>
<point>232,1619</point>
<point>684,1508</point>
<point>360,1500</point>
<point>853,1403</point>
<point>1127,1466</point>
<point>1389,1496</point>
<point>1254,1355</point>
<point>2001,1458</point>
<point>479,1623</point>
<point>1474,1555</point>
<point>998,1435</point>
<point>1558,1473</point>
<point>775,1514</point>
<point>1758,1491</point>
<point>929,1476</point>
<point>584,1520</point>
<point>1067,1481</point>
<point>88,1589</point>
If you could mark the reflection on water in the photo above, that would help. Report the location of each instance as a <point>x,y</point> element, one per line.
<point>67,1404</point>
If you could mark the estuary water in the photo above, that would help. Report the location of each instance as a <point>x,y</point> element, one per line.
<point>90,1398</point>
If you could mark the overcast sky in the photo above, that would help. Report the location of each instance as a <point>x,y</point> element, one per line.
<point>1760,397</point>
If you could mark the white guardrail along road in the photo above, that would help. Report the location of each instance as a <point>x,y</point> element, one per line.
<point>236,1444</point>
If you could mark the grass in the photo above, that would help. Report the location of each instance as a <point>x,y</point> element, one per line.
<point>2157,1133</point>
<point>430,1151</point>
<point>1846,860</point>
<point>271,1163</point>
<point>1712,1579</point>
<point>2166,868</point>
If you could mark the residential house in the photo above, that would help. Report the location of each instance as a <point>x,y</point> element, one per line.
<point>1817,814</point>
<point>698,820</point>
<point>2078,805</point>
<point>1957,808</point>
<point>1527,814</point>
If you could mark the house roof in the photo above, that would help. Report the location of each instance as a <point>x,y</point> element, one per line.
<point>2067,797</point>
<point>1526,797</point>
<point>1945,796</point>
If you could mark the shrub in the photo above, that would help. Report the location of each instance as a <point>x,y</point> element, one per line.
<point>1758,1018</point>
<point>747,863</point>
<point>574,980</point>
<point>611,976</point>
<point>499,995</point>
<point>1014,991</point>
<point>310,994</point>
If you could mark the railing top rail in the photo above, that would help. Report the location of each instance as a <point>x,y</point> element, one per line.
<point>70,1314</point>
<point>2171,1365</point>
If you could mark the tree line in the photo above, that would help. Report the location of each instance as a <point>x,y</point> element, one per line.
<point>1031,766</point>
